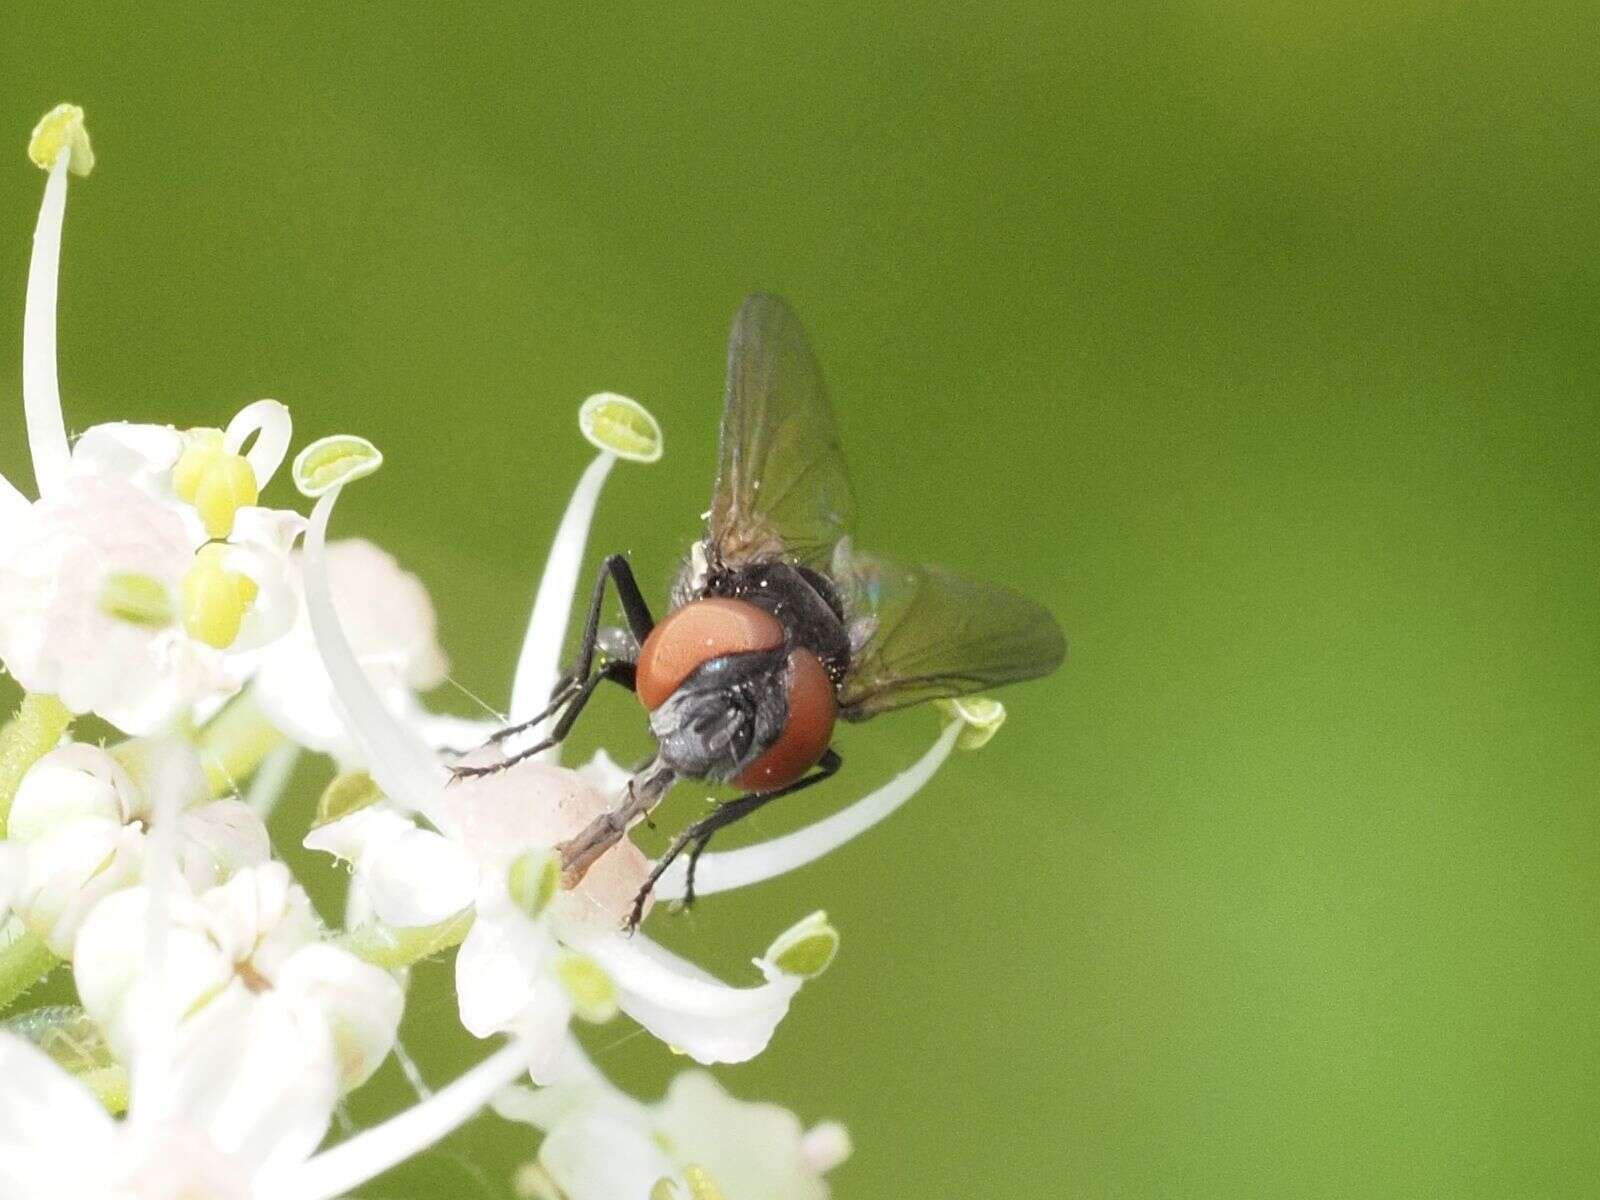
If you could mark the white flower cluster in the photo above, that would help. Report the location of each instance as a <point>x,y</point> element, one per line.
<point>222,1020</point>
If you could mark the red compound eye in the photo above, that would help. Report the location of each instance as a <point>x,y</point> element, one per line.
<point>812,709</point>
<point>693,635</point>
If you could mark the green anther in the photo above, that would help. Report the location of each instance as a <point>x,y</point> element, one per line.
<point>62,127</point>
<point>328,462</point>
<point>137,599</point>
<point>981,716</point>
<point>664,1189</point>
<point>701,1185</point>
<point>75,1044</point>
<point>390,948</point>
<point>350,791</point>
<point>593,995</point>
<point>620,426</point>
<point>24,740</point>
<point>533,880</point>
<point>807,949</point>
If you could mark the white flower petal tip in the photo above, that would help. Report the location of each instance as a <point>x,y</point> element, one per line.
<point>61,129</point>
<point>806,949</point>
<point>825,1146</point>
<point>980,716</point>
<point>331,462</point>
<point>270,422</point>
<point>620,426</point>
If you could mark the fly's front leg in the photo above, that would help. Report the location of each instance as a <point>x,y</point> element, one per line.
<point>574,688</point>
<point>617,672</point>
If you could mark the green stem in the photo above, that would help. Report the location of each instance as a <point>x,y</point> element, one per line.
<point>24,961</point>
<point>390,948</point>
<point>234,743</point>
<point>24,740</point>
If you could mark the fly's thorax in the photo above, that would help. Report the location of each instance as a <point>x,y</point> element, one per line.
<point>725,715</point>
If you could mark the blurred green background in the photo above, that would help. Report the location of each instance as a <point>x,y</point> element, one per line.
<point>1258,340</point>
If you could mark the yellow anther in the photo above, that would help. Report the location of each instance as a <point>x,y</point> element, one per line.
<point>215,599</point>
<point>200,449</point>
<point>62,128</point>
<point>701,1185</point>
<point>226,486</point>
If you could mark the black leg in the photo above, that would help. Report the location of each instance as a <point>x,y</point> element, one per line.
<point>698,835</point>
<point>575,687</point>
<point>640,622</point>
<point>617,672</point>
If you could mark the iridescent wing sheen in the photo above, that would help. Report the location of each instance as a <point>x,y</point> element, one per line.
<point>923,633</point>
<point>782,489</point>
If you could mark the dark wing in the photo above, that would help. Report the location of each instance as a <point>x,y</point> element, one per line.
<point>926,634</point>
<point>782,489</point>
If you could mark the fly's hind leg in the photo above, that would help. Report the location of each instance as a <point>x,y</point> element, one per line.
<point>698,836</point>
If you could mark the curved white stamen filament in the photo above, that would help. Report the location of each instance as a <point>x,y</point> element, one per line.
<point>270,421</point>
<point>367,1155</point>
<point>41,393</point>
<point>271,778</point>
<point>403,767</point>
<point>539,663</point>
<point>721,872</point>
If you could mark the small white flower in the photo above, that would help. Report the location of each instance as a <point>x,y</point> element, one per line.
<point>600,1143</point>
<point>146,555</point>
<point>251,945</point>
<point>77,832</point>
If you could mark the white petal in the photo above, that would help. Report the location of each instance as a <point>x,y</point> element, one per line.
<point>125,999</point>
<point>420,879</point>
<point>70,870</point>
<point>538,663</point>
<point>41,395</point>
<point>721,871</point>
<point>71,781</point>
<point>599,1156</point>
<point>709,1021</point>
<point>55,637</point>
<point>361,834</point>
<point>500,970</point>
<point>260,915</point>
<point>360,1002</point>
<point>752,1149</point>
<point>142,455</point>
<point>48,1122</point>
<point>259,1074</point>
<point>270,421</point>
<point>218,839</point>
